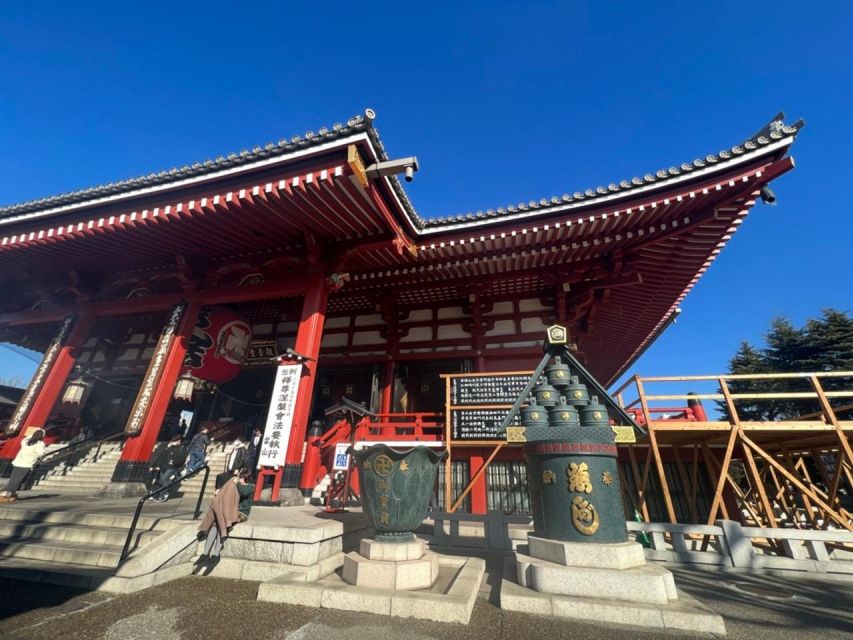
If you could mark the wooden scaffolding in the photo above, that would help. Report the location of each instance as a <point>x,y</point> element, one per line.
<point>784,473</point>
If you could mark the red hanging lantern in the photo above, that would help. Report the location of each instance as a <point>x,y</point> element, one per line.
<point>219,345</point>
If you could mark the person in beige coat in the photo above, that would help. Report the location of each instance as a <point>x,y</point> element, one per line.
<point>223,514</point>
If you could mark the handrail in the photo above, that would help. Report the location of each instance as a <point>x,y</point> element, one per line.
<point>126,550</point>
<point>74,446</point>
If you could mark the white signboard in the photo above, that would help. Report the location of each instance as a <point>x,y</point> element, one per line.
<point>280,417</point>
<point>341,457</point>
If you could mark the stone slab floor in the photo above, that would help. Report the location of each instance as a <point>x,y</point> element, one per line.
<point>755,608</point>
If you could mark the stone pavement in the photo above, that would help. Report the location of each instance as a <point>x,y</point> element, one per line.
<point>755,608</point>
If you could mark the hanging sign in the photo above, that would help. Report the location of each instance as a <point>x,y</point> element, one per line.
<point>219,345</point>
<point>26,402</point>
<point>155,369</point>
<point>280,416</point>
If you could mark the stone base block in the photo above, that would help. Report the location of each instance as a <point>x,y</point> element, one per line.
<point>685,614</point>
<point>650,583</point>
<point>392,551</point>
<point>450,599</point>
<point>402,575</point>
<point>622,555</point>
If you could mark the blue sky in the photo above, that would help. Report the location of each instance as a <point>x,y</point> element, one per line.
<point>501,102</point>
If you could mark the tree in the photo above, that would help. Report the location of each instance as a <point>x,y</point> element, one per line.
<point>822,344</point>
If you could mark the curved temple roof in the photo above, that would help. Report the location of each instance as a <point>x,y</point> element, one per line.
<point>773,132</point>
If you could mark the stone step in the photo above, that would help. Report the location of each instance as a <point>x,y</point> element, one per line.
<point>60,551</point>
<point>106,520</point>
<point>69,575</point>
<point>56,532</point>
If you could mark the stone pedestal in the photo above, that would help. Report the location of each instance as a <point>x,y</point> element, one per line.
<point>396,566</point>
<point>400,579</point>
<point>606,582</point>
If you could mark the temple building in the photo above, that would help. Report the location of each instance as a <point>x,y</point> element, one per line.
<point>299,273</point>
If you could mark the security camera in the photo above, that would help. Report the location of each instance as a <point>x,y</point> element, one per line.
<point>406,166</point>
<point>767,195</point>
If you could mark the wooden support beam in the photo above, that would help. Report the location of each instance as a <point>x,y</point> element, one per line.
<point>844,444</point>
<point>724,470</point>
<point>797,483</point>
<point>685,484</point>
<point>476,477</point>
<point>752,468</point>
<point>653,444</point>
<point>635,472</point>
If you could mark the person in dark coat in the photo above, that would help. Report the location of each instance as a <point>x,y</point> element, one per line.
<point>198,447</point>
<point>169,461</point>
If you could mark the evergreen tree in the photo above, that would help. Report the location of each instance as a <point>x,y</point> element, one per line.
<point>823,344</point>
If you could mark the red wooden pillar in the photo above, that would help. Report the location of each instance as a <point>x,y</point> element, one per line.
<point>308,338</point>
<point>479,502</point>
<point>155,394</point>
<point>47,384</point>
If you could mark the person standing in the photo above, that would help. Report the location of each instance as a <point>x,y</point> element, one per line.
<point>171,459</point>
<point>198,447</point>
<point>31,450</point>
<point>238,459</point>
<point>254,450</point>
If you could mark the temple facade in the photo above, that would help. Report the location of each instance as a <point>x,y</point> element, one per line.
<point>257,290</point>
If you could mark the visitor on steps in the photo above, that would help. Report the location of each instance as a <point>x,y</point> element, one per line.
<point>198,446</point>
<point>232,504</point>
<point>32,449</point>
<point>168,463</point>
<point>254,449</point>
<point>238,459</point>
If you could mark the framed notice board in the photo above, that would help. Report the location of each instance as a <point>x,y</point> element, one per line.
<point>477,403</point>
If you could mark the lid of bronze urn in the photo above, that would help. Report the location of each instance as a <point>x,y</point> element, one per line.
<point>563,415</point>
<point>594,414</point>
<point>558,374</point>
<point>534,415</point>
<point>546,395</point>
<point>576,393</point>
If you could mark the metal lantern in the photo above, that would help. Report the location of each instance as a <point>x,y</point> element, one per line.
<point>75,390</point>
<point>185,387</point>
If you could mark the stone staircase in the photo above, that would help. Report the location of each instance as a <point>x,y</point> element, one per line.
<point>88,477</point>
<point>70,547</point>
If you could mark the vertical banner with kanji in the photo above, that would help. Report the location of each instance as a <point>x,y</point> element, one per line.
<point>280,416</point>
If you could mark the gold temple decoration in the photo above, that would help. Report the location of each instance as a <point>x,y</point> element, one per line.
<point>404,466</point>
<point>578,475</point>
<point>596,415</point>
<point>577,393</point>
<point>584,516</point>
<point>607,478</point>
<point>549,477</point>
<point>624,435</point>
<point>383,465</point>
<point>516,434</point>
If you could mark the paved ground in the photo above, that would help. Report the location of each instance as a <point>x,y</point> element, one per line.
<point>755,608</point>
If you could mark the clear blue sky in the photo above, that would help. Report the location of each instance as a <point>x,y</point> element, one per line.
<point>502,103</point>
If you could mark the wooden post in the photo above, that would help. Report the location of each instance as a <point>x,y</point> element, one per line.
<point>844,444</point>
<point>684,481</point>
<point>670,510</point>
<point>719,483</point>
<point>641,497</point>
<point>751,466</point>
